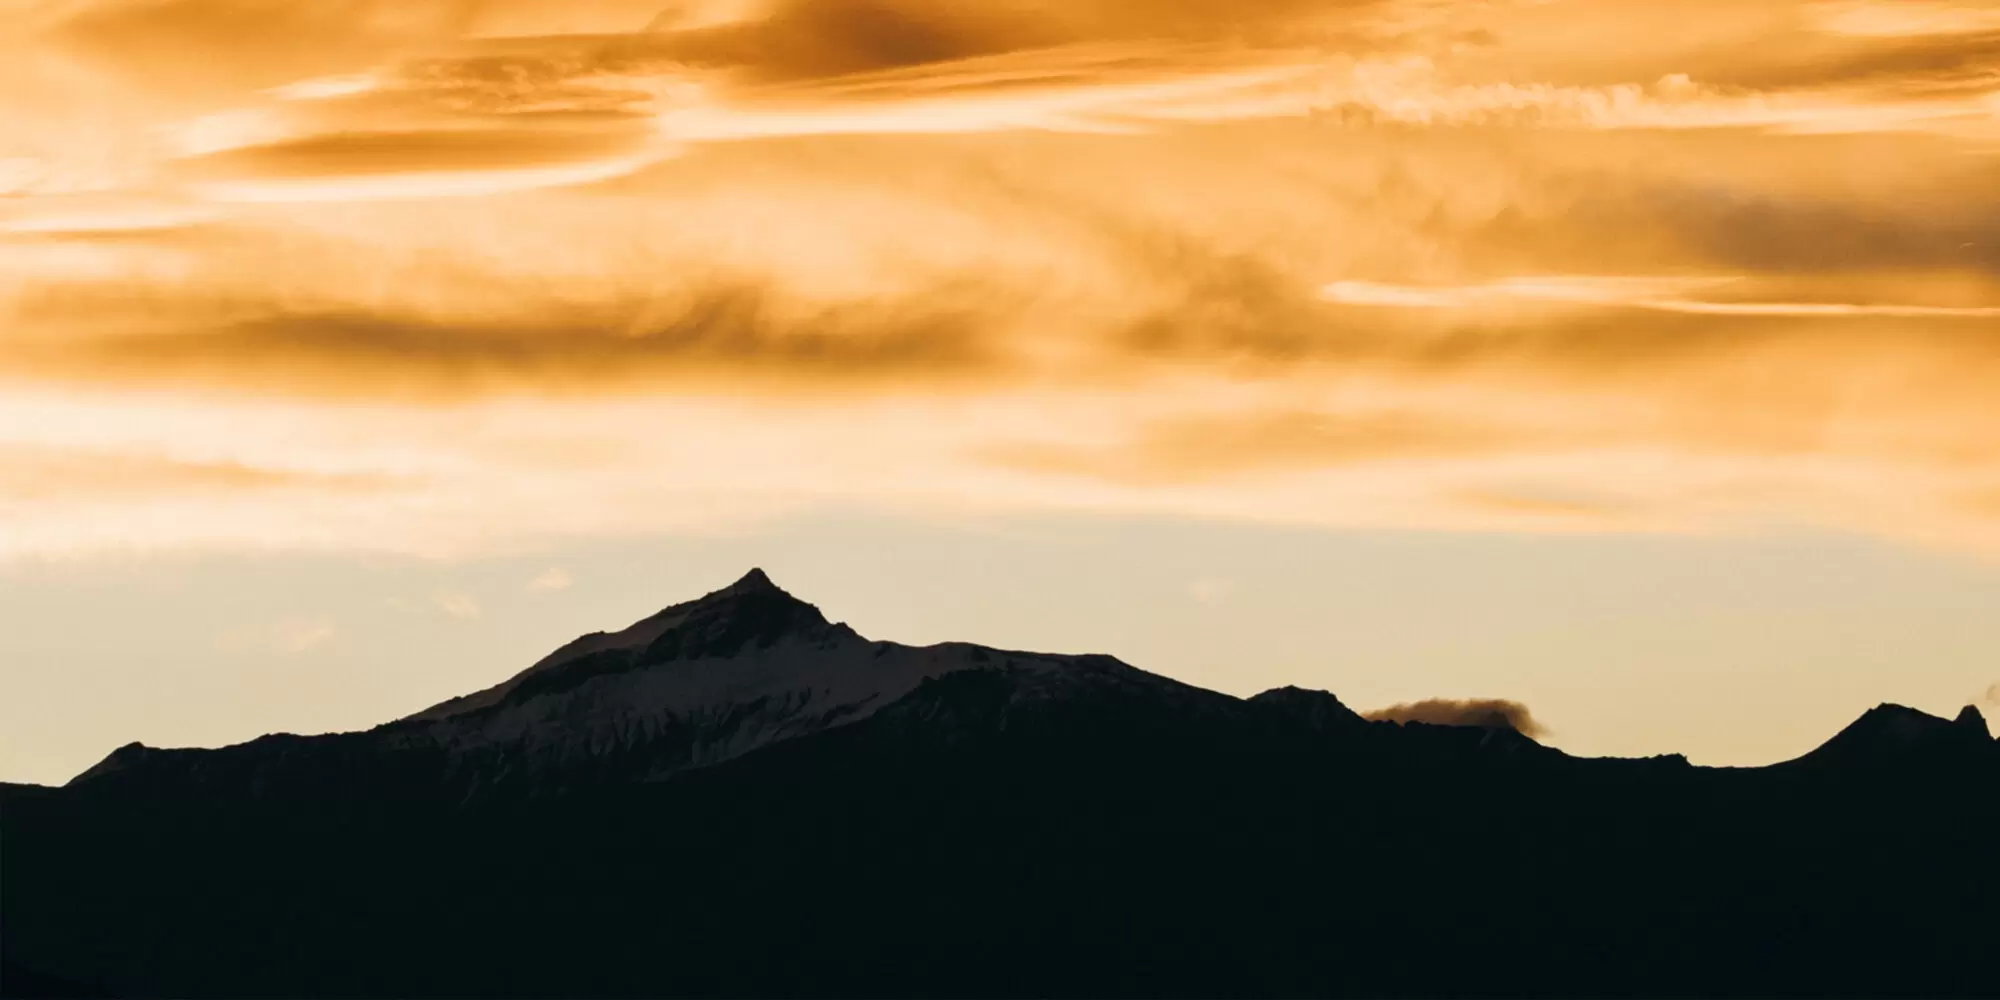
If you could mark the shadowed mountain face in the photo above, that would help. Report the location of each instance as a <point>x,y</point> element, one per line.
<point>1892,738</point>
<point>736,797</point>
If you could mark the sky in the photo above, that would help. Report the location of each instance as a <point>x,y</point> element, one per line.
<point>1635,360</point>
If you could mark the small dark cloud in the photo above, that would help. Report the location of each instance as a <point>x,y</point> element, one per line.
<point>1485,713</point>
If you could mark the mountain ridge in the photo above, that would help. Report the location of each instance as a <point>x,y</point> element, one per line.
<point>743,707</point>
<point>767,803</point>
<point>695,684</point>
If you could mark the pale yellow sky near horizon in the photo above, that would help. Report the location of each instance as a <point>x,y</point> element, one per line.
<point>1735,650</point>
<point>453,279</point>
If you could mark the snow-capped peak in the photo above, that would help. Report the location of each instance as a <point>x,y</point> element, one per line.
<point>700,682</point>
<point>752,607</point>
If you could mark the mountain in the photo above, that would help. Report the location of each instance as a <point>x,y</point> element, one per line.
<point>1896,737</point>
<point>737,797</point>
<point>697,684</point>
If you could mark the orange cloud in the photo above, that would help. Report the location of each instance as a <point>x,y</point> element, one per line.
<point>42,475</point>
<point>1231,446</point>
<point>1492,266</point>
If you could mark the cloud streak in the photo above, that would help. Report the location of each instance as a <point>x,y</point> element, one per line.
<point>1624,293</point>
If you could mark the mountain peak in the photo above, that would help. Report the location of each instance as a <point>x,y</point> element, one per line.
<point>1970,718</point>
<point>1897,732</point>
<point>754,581</point>
<point>752,606</point>
<point>752,612</point>
<point>753,609</point>
<point>1889,723</point>
<point>752,589</point>
<point>1318,709</point>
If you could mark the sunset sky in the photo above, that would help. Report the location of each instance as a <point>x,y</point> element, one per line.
<point>1635,359</point>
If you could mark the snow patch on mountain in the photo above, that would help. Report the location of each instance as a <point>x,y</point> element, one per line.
<point>700,683</point>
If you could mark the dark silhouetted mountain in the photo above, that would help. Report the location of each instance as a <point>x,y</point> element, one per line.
<point>1896,738</point>
<point>737,797</point>
<point>1971,719</point>
<point>1316,710</point>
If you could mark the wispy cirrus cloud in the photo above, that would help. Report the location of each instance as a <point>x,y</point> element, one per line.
<point>1626,292</point>
<point>290,636</point>
<point>299,636</point>
<point>458,604</point>
<point>1906,18</point>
